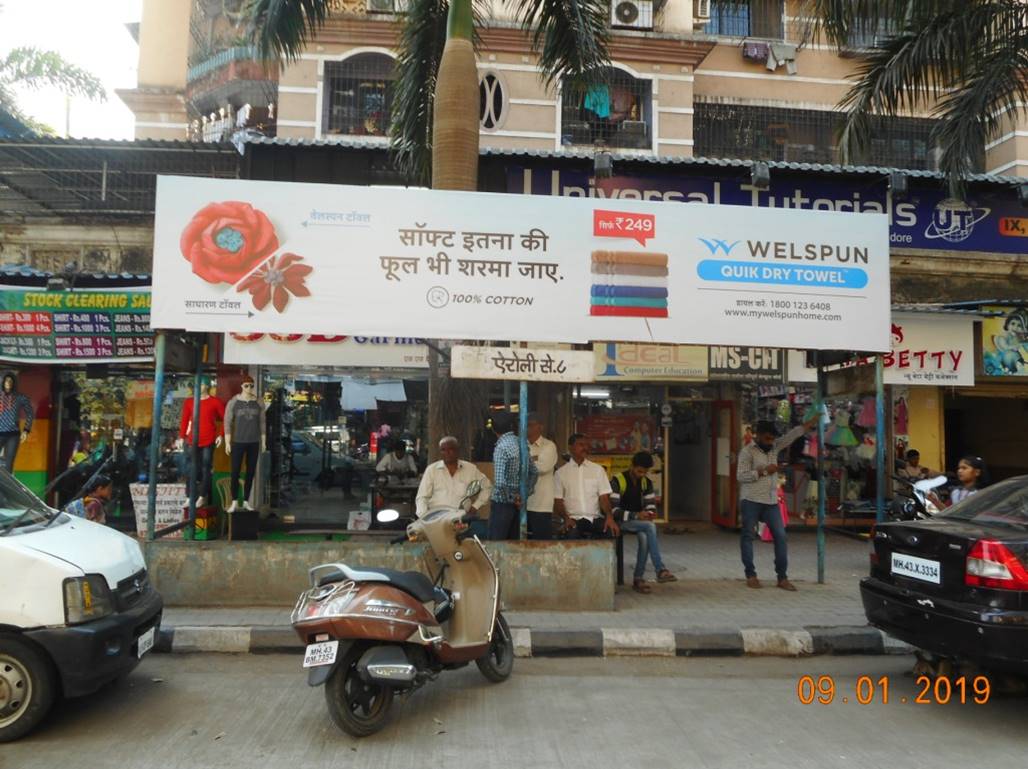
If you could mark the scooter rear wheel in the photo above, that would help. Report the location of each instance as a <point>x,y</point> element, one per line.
<point>498,663</point>
<point>358,708</point>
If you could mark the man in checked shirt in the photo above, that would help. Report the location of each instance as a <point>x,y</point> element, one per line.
<point>758,481</point>
<point>504,516</point>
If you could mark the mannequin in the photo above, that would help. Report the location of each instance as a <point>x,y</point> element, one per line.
<point>212,411</point>
<point>245,431</point>
<point>13,405</point>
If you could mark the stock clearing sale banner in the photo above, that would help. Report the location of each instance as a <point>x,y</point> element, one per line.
<point>75,326</point>
<point>287,258</point>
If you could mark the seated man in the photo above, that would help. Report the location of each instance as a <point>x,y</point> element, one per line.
<point>397,464</point>
<point>632,493</point>
<point>582,494</point>
<point>445,482</point>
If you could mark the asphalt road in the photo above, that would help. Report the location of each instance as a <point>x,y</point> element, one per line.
<point>257,711</point>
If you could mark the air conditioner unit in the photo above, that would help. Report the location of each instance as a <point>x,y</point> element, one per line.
<point>387,6</point>
<point>631,14</point>
<point>701,10</point>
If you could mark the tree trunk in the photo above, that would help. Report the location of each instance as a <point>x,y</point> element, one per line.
<point>455,407</point>
<point>455,113</point>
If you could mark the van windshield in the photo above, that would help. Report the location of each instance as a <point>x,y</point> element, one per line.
<point>18,505</point>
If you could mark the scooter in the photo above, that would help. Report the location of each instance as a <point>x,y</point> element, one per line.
<point>375,633</point>
<point>916,503</point>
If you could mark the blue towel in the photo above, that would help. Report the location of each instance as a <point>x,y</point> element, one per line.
<point>638,291</point>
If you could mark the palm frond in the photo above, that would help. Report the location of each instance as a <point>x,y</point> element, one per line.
<point>281,29</point>
<point>994,86</point>
<point>34,68</point>
<point>927,61</point>
<point>417,64</point>
<point>570,36</point>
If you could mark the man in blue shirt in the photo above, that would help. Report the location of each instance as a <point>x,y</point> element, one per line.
<point>504,517</point>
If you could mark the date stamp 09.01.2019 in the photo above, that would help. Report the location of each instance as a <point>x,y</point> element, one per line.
<point>866,690</point>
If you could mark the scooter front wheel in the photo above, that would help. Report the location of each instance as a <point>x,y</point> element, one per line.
<point>358,708</point>
<point>498,663</point>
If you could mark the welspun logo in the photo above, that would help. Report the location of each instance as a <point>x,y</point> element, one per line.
<point>714,245</point>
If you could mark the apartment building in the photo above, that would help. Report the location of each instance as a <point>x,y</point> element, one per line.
<point>687,79</point>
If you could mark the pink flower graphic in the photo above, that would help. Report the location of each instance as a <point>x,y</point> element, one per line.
<point>277,279</point>
<point>224,241</point>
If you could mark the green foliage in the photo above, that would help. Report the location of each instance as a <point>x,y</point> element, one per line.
<point>961,60</point>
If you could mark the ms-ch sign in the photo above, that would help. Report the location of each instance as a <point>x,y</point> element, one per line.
<point>746,364</point>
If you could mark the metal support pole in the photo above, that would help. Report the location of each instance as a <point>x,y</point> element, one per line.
<point>880,439</point>
<point>160,343</point>
<point>194,443</point>
<point>821,479</point>
<point>506,395</point>
<point>523,444</point>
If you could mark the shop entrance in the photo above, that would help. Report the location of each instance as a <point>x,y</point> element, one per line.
<point>990,424</point>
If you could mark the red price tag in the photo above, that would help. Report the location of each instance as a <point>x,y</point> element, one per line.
<point>618,224</point>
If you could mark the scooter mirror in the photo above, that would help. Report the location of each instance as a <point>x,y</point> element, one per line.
<point>387,516</point>
<point>931,483</point>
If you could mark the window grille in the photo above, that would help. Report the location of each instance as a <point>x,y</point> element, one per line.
<point>807,136</point>
<point>492,102</point>
<point>755,18</point>
<point>615,111</point>
<point>358,97</point>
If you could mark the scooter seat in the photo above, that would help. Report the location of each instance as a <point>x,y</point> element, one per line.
<point>413,582</point>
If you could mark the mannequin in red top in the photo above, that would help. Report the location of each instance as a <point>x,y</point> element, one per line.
<point>212,413</point>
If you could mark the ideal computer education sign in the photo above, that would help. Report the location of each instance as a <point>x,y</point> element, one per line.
<point>286,258</point>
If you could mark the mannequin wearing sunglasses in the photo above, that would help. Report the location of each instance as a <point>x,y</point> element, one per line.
<point>244,439</point>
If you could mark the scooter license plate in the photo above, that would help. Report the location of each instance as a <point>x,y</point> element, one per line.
<point>320,654</point>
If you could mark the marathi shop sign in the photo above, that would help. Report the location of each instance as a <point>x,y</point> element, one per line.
<point>325,350</point>
<point>287,258</point>
<point>925,219</point>
<point>521,363</point>
<point>75,326</point>
<point>926,350</point>
<point>747,364</point>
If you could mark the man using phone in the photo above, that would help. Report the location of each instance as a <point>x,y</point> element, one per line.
<point>758,490</point>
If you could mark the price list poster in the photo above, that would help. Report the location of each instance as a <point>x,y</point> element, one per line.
<point>75,326</point>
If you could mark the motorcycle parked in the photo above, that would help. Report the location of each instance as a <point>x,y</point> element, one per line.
<point>373,633</point>
<point>914,503</point>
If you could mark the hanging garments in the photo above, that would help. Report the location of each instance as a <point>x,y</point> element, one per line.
<point>842,435</point>
<point>597,100</point>
<point>867,416</point>
<point>901,417</point>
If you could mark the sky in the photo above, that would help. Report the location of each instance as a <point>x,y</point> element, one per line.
<point>89,33</point>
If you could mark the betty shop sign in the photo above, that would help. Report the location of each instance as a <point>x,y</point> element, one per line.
<point>247,256</point>
<point>926,350</point>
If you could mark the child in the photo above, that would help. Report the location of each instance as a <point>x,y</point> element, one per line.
<point>91,505</point>
<point>973,475</point>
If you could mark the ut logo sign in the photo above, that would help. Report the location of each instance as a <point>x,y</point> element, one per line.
<point>714,245</point>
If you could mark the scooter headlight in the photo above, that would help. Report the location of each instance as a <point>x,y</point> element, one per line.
<point>86,599</point>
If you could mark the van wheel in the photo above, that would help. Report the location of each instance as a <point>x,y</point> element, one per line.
<point>28,687</point>
<point>358,708</point>
<point>498,663</point>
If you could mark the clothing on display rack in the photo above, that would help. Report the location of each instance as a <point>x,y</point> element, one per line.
<point>842,435</point>
<point>245,428</point>
<point>867,416</point>
<point>14,406</point>
<point>901,416</point>
<point>212,411</point>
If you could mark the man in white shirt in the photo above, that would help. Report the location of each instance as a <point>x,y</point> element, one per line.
<point>397,464</point>
<point>582,494</point>
<point>445,482</point>
<point>540,504</point>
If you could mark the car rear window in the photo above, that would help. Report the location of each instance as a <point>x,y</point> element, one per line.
<point>1005,504</point>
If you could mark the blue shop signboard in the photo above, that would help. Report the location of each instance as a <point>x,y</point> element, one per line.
<point>992,221</point>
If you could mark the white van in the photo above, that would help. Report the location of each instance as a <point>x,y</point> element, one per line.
<point>76,607</point>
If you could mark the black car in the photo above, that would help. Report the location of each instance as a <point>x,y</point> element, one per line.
<point>957,585</point>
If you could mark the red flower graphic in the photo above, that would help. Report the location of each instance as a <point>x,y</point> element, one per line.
<point>224,241</point>
<point>275,280</point>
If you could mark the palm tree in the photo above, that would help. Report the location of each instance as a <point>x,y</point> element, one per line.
<point>33,68</point>
<point>964,60</point>
<point>435,103</point>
